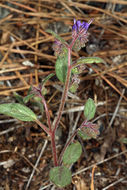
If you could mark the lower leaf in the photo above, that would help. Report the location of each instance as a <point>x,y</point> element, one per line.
<point>60,176</point>
<point>18,111</point>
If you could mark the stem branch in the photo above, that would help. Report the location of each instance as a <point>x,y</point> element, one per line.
<point>47,113</point>
<point>43,127</point>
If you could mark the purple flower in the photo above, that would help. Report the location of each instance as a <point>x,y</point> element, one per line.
<point>78,26</point>
<point>79,33</point>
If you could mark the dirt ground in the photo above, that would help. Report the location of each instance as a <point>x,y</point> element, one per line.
<point>27,57</point>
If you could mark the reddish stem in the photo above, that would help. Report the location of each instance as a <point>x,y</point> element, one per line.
<point>64,95</point>
<point>47,113</point>
<point>54,153</point>
<point>63,99</point>
<point>52,133</point>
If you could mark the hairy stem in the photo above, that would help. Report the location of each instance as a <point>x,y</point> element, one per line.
<point>54,153</point>
<point>47,113</point>
<point>61,107</point>
<point>64,95</point>
<point>38,92</point>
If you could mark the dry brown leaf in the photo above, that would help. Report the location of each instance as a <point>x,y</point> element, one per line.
<point>108,141</point>
<point>80,183</point>
<point>4,37</point>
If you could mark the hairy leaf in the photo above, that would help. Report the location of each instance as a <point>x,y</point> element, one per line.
<point>60,176</point>
<point>61,67</point>
<point>89,109</point>
<point>89,60</point>
<point>18,97</point>
<point>18,111</point>
<point>92,130</point>
<point>72,153</point>
<point>47,78</point>
<point>27,98</point>
<point>83,135</point>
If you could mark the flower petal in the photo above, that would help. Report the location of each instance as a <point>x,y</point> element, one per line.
<point>78,25</point>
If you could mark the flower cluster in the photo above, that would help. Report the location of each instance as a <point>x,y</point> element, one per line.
<point>74,83</point>
<point>90,129</point>
<point>79,36</point>
<point>78,26</point>
<point>79,33</point>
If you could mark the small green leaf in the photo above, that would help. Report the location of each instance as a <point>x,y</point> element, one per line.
<point>72,153</point>
<point>27,98</point>
<point>60,176</point>
<point>44,91</point>
<point>78,69</point>
<point>47,78</point>
<point>89,109</point>
<point>75,70</point>
<point>61,66</point>
<point>18,111</point>
<point>123,140</point>
<point>83,135</point>
<point>89,60</point>
<point>73,87</point>
<point>18,97</point>
<point>56,36</point>
<point>29,90</point>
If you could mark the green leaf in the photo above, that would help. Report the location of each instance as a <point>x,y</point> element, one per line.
<point>18,97</point>
<point>72,153</point>
<point>123,140</point>
<point>27,98</point>
<point>61,66</point>
<point>89,60</point>
<point>75,70</point>
<point>44,90</point>
<point>18,111</point>
<point>83,135</point>
<point>89,109</point>
<point>79,65</point>
<point>73,87</point>
<point>60,176</point>
<point>47,78</point>
<point>29,90</point>
<point>78,69</point>
<point>56,36</point>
